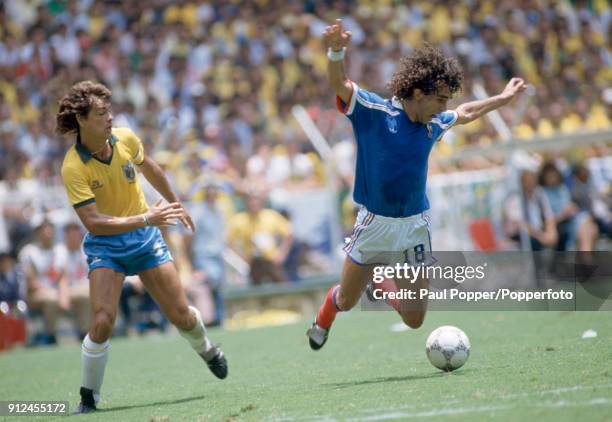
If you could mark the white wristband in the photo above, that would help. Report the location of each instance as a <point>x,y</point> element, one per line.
<point>335,56</point>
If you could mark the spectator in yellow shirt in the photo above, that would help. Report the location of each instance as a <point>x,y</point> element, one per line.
<point>263,237</point>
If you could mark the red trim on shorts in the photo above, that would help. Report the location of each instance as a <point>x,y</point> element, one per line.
<point>357,232</point>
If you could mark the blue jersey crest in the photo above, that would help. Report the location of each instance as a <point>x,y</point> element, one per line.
<point>392,123</point>
<point>129,171</point>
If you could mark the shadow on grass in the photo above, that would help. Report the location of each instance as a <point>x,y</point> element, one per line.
<point>157,403</point>
<point>379,380</point>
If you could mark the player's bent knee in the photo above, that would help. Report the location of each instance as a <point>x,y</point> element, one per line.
<point>102,325</point>
<point>182,319</point>
<point>345,303</point>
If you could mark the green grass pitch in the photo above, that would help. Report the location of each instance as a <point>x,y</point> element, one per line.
<point>523,366</point>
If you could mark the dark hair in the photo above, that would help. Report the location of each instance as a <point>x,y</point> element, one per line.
<point>547,167</point>
<point>44,223</point>
<point>427,69</point>
<point>78,101</point>
<point>579,167</point>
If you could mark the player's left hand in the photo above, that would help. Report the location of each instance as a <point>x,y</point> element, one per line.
<point>185,218</point>
<point>513,88</point>
<point>335,37</point>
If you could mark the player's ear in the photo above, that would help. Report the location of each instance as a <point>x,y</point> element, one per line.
<point>417,94</point>
<point>80,119</point>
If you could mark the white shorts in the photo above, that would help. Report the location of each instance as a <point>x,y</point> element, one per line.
<point>384,240</point>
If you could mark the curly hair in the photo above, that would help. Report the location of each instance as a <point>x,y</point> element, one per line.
<point>78,101</point>
<point>427,69</point>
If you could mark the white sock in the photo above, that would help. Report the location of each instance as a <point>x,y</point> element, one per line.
<point>197,337</point>
<point>95,356</point>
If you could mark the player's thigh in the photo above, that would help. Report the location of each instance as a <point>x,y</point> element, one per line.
<point>104,291</point>
<point>164,285</point>
<point>354,280</point>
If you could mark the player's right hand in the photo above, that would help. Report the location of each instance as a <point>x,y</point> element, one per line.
<point>164,215</point>
<point>335,37</point>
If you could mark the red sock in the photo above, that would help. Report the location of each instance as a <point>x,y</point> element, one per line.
<point>328,310</point>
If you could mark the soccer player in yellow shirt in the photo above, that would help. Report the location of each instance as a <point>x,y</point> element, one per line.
<point>123,238</point>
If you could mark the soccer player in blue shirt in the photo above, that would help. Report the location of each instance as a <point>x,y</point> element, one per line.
<point>394,138</point>
<point>123,238</point>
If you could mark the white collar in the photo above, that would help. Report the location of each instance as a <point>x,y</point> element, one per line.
<point>395,102</point>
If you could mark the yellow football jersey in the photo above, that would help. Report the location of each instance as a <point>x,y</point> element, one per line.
<point>112,185</point>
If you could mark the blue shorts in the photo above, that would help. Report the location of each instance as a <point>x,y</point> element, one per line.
<point>128,253</point>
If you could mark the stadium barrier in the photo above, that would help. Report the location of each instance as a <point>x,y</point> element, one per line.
<point>302,297</point>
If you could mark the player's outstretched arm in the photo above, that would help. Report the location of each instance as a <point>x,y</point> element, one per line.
<point>156,176</point>
<point>104,225</point>
<point>473,110</point>
<point>336,40</point>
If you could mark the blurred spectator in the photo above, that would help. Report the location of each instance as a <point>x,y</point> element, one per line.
<point>138,309</point>
<point>44,264</point>
<point>529,213</point>
<point>263,237</point>
<point>12,282</point>
<point>76,274</point>
<point>575,228</point>
<point>205,248</point>
<point>4,239</point>
<point>587,198</point>
<point>36,144</point>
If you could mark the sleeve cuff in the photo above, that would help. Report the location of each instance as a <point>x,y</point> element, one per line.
<point>139,158</point>
<point>449,125</point>
<point>347,108</point>
<point>454,119</point>
<point>83,203</point>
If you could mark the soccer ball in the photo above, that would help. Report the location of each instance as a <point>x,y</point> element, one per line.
<point>447,348</point>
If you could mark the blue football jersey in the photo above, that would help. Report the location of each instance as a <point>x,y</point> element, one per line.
<point>392,153</point>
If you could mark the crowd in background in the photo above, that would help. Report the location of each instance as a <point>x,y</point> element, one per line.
<point>209,87</point>
<point>558,208</point>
